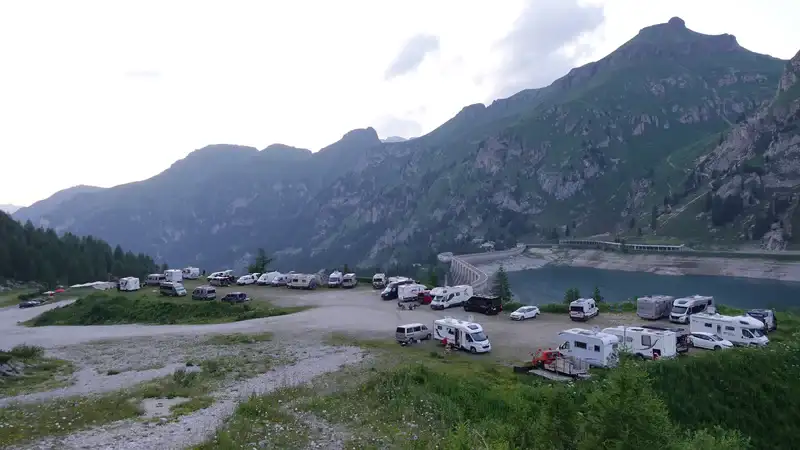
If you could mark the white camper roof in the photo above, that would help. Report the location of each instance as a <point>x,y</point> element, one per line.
<point>606,338</point>
<point>683,301</point>
<point>581,301</point>
<point>349,275</point>
<point>656,299</point>
<point>739,320</point>
<point>621,329</point>
<point>379,275</point>
<point>471,327</point>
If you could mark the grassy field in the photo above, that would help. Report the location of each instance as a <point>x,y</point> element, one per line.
<point>38,373</point>
<point>101,308</point>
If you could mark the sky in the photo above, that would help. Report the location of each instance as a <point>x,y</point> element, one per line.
<point>108,92</point>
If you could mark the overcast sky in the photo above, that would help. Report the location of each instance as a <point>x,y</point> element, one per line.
<point>107,92</point>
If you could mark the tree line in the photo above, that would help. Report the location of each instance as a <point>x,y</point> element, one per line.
<point>30,254</point>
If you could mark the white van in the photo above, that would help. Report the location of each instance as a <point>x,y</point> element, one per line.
<point>684,307</point>
<point>645,342</point>
<point>266,278</point>
<point>451,296</point>
<point>462,334</point>
<point>129,284</point>
<point>335,279</point>
<point>191,273</point>
<point>583,309</point>
<point>415,331</point>
<point>280,280</point>
<point>173,275</point>
<point>302,281</point>
<point>155,279</point>
<point>741,330</point>
<point>594,347</point>
<point>379,281</point>
<point>349,280</point>
<point>409,292</point>
<point>245,280</point>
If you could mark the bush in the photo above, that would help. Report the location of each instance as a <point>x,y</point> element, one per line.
<point>28,296</point>
<point>26,351</point>
<point>554,308</point>
<point>512,306</point>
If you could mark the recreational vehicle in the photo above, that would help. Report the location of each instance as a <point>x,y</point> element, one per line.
<point>684,339</point>
<point>266,278</point>
<point>415,331</point>
<point>173,275</point>
<point>191,273</point>
<point>451,296</point>
<point>654,307</point>
<point>741,330</point>
<point>583,309</point>
<point>155,279</point>
<point>766,316</point>
<point>645,342</point>
<point>349,280</point>
<point>303,281</point>
<point>280,280</point>
<point>204,293</point>
<point>462,335</point>
<point>246,280</point>
<point>390,291</point>
<point>489,304</point>
<point>219,281</point>
<point>684,307</point>
<point>129,284</point>
<point>409,292</point>
<point>594,347</point>
<point>335,279</point>
<point>379,281</point>
<point>172,289</point>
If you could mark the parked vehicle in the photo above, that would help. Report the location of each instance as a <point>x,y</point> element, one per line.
<point>766,316</point>
<point>172,289</point>
<point>654,307</point>
<point>416,331</point>
<point>266,278</point>
<point>489,305</point>
<point>554,361</point>
<point>173,275</point>
<point>424,298</point>
<point>740,330</point>
<point>219,281</point>
<point>204,293</point>
<point>583,309</point>
<point>709,341</point>
<point>128,284</point>
<point>349,280</point>
<point>280,280</point>
<point>682,334</point>
<point>462,335</point>
<point>191,273</point>
<point>594,347</point>
<point>645,342</point>
<point>683,308</point>
<point>236,297</point>
<point>32,303</point>
<point>379,281</point>
<point>155,279</point>
<point>245,280</point>
<point>526,312</point>
<point>409,292</point>
<point>335,279</point>
<point>390,292</point>
<point>452,296</point>
<point>407,306</point>
<point>303,281</point>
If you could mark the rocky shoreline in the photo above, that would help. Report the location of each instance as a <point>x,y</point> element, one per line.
<point>659,264</point>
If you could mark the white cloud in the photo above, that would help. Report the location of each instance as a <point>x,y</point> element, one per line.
<point>412,54</point>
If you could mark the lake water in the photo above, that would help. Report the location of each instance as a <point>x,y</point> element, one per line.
<point>547,285</point>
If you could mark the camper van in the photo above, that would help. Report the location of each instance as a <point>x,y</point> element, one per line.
<point>129,284</point>
<point>461,334</point>
<point>155,279</point>
<point>654,307</point>
<point>409,292</point>
<point>245,280</point>
<point>683,337</point>
<point>595,347</point>
<point>390,291</point>
<point>335,279</point>
<point>204,293</point>
<point>349,280</point>
<point>219,281</point>
<point>173,275</point>
<point>191,273</point>
<point>644,342</point>
<point>489,305</point>
<point>741,330</point>
<point>583,309</point>
<point>766,316</point>
<point>266,278</point>
<point>684,307</point>
<point>452,296</point>
<point>171,289</point>
<point>280,279</point>
<point>302,281</point>
<point>379,281</point>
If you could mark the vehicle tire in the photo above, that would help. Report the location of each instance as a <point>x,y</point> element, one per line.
<point>428,337</point>
<point>717,347</point>
<point>473,350</point>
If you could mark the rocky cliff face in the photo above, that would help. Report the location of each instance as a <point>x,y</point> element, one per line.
<point>595,151</point>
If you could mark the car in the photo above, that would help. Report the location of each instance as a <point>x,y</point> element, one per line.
<point>236,297</point>
<point>525,312</point>
<point>31,303</point>
<point>709,341</point>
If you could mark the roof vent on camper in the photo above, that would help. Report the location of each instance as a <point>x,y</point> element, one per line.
<point>711,309</point>
<point>595,329</point>
<point>472,326</point>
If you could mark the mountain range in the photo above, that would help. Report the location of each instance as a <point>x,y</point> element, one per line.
<point>651,139</point>
<point>9,209</point>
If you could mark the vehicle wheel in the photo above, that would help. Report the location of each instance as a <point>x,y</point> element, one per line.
<point>717,347</point>
<point>473,350</point>
<point>428,337</point>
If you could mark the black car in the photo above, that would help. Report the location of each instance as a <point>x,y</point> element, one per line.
<point>236,297</point>
<point>489,305</point>
<point>31,303</point>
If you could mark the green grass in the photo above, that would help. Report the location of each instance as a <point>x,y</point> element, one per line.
<point>238,338</point>
<point>11,297</point>
<point>109,309</point>
<point>38,374</point>
<point>195,404</point>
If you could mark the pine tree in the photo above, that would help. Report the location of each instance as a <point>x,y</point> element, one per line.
<point>261,262</point>
<point>501,287</point>
<point>571,295</point>
<point>596,295</point>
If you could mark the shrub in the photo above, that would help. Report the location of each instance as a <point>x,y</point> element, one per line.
<point>26,351</point>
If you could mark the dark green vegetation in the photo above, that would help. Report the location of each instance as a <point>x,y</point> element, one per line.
<point>32,371</point>
<point>35,254</point>
<point>500,285</point>
<point>598,150</point>
<point>111,309</point>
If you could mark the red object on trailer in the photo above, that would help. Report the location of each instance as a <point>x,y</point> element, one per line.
<point>542,357</point>
<point>425,297</point>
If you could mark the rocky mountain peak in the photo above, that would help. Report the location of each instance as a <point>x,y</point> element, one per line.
<point>674,38</point>
<point>791,75</point>
<point>361,137</point>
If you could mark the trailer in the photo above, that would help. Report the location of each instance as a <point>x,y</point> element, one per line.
<point>554,365</point>
<point>654,307</point>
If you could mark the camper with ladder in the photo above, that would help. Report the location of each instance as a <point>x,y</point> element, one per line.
<point>191,273</point>
<point>461,335</point>
<point>596,348</point>
<point>645,342</point>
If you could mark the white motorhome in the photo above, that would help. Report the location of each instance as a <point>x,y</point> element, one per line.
<point>349,280</point>
<point>741,330</point>
<point>594,347</point>
<point>335,279</point>
<point>303,281</point>
<point>280,279</point>
<point>462,334</point>
<point>451,296</point>
<point>267,278</point>
<point>129,284</point>
<point>684,307</point>
<point>645,342</point>
<point>379,281</point>
<point>191,273</point>
<point>409,292</point>
<point>583,309</point>
<point>173,275</point>
<point>654,307</point>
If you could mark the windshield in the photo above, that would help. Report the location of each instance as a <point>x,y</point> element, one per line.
<point>438,298</point>
<point>756,332</point>
<point>678,309</point>
<point>524,309</point>
<point>479,336</point>
<point>400,330</point>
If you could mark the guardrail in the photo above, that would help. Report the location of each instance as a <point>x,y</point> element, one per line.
<point>463,270</point>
